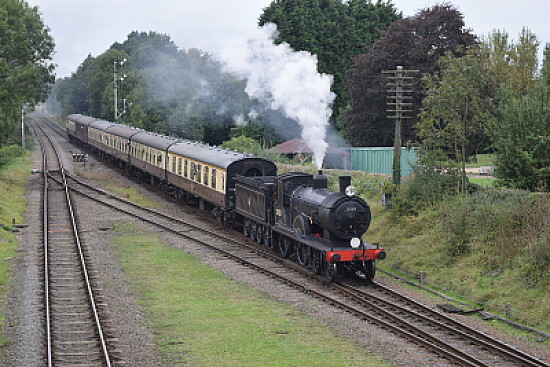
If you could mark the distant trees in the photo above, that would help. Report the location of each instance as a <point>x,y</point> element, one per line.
<point>333,30</point>
<point>415,43</point>
<point>25,73</point>
<point>171,91</point>
<point>513,64</point>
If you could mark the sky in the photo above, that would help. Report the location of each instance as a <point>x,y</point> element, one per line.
<point>82,27</point>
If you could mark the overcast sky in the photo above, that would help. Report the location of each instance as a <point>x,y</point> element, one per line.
<point>82,27</point>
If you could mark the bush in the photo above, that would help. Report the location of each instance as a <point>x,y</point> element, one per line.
<point>245,144</point>
<point>425,189</point>
<point>8,153</point>
<point>508,228</point>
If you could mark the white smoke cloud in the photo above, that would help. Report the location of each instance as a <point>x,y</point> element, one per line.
<point>240,120</point>
<point>287,80</point>
<point>253,115</point>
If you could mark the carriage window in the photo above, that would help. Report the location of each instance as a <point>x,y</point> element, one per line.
<point>199,169</point>
<point>213,180</point>
<point>193,171</point>
<point>205,179</point>
<point>223,181</point>
<point>179,166</point>
<point>160,160</point>
<point>185,168</point>
<point>174,164</point>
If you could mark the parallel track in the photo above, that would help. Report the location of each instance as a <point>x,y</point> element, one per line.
<point>74,332</point>
<point>427,328</point>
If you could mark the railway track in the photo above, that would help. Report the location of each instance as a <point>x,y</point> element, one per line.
<point>415,318</point>
<point>417,323</point>
<point>401,315</point>
<point>74,332</point>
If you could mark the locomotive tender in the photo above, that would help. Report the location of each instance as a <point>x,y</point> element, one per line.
<point>293,214</point>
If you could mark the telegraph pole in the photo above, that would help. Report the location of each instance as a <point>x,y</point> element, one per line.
<point>23,126</point>
<point>399,103</point>
<point>116,66</point>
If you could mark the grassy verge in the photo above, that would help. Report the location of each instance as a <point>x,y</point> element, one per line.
<point>13,178</point>
<point>489,246</point>
<point>202,318</point>
<point>131,194</point>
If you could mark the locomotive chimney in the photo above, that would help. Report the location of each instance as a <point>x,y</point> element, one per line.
<point>344,182</point>
<point>320,181</point>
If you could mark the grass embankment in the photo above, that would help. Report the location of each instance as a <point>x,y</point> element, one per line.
<point>492,246</point>
<point>200,317</point>
<point>13,178</point>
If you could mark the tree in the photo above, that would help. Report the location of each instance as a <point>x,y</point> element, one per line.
<point>521,133</point>
<point>25,74</point>
<point>457,106</point>
<point>545,71</point>
<point>514,64</point>
<point>415,43</point>
<point>243,144</point>
<point>333,30</point>
<point>521,139</point>
<point>171,91</point>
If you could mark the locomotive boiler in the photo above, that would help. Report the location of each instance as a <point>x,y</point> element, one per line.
<point>297,215</point>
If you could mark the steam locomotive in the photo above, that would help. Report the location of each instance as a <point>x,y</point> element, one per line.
<point>293,214</point>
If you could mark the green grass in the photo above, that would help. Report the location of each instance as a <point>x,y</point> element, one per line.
<point>482,181</point>
<point>482,160</point>
<point>13,178</point>
<point>202,318</point>
<point>133,195</point>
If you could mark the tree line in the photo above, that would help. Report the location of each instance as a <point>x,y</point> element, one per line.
<point>471,94</point>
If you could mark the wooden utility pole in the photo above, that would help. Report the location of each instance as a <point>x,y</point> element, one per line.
<point>399,103</point>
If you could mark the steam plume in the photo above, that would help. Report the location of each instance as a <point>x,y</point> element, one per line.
<point>288,81</point>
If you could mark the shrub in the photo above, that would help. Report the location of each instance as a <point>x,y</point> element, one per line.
<point>507,227</point>
<point>8,153</point>
<point>425,189</point>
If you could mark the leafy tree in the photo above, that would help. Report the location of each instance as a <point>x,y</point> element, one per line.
<point>457,105</point>
<point>171,91</point>
<point>514,64</point>
<point>333,30</point>
<point>242,144</point>
<point>521,138</point>
<point>521,133</point>
<point>25,74</point>
<point>415,43</point>
<point>545,71</point>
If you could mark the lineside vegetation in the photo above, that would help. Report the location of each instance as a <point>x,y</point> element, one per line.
<point>13,178</point>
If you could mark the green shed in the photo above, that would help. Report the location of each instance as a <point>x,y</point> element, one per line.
<point>380,160</point>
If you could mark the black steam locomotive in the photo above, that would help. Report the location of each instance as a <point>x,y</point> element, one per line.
<point>293,214</point>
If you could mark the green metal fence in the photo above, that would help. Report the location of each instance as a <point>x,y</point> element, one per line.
<point>380,160</point>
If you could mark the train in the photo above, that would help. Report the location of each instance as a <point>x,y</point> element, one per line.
<point>293,214</point>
